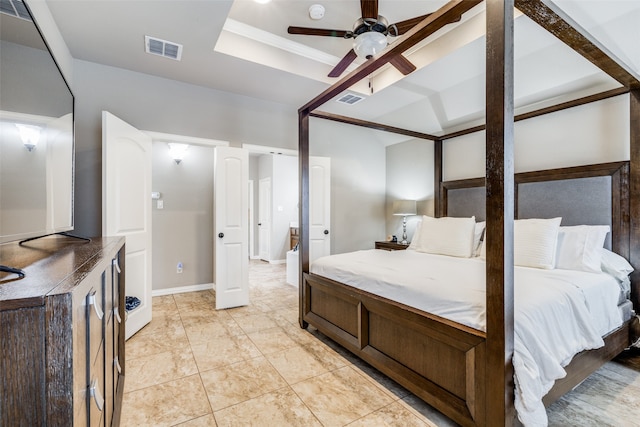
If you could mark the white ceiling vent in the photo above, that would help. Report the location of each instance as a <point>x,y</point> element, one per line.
<point>350,98</point>
<point>15,8</point>
<point>161,47</point>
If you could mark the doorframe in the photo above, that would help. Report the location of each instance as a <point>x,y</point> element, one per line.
<point>252,253</point>
<point>191,140</point>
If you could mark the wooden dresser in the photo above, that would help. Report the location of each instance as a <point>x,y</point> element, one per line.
<point>62,332</point>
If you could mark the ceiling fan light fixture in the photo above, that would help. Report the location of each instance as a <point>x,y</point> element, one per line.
<point>370,43</point>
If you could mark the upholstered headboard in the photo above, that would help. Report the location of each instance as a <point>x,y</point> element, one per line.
<point>593,195</point>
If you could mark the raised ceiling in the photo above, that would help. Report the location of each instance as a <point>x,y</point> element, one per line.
<point>243,47</point>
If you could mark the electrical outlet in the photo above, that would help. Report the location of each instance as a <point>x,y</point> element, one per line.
<point>179,268</point>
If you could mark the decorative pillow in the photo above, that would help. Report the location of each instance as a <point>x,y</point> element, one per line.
<point>447,236</point>
<point>580,247</point>
<point>414,240</point>
<point>535,242</point>
<point>477,237</point>
<point>615,265</point>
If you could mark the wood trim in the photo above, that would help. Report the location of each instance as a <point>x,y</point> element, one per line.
<point>620,193</point>
<point>371,125</point>
<point>303,197</point>
<point>437,178</point>
<point>634,189</point>
<point>552,109</point>
<point>454,185</point>
<point>432,23</point>
<point>499,206</point>
<point>418,369</point>
<point>571,34</point>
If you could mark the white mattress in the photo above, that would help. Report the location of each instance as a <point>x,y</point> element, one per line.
<point>558,313</point>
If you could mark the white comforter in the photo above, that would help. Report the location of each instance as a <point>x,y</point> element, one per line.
<point>558,313</point>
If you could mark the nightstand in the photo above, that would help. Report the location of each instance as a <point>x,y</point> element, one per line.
<point>391,246</point>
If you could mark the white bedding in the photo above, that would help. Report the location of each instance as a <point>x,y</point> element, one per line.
<point>558,313</point>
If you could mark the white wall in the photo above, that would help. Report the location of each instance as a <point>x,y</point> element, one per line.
<point>589,134</point>
<point>592,133</point>
<point>409,177</point>
<point>183,228</point>
<point>357,182</point>
<point>161,105</point>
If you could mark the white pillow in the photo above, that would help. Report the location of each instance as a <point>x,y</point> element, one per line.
<point>615,265</point>
<point>580,247</point>
<point>535,242</point>
<point>414,240</point>
<point>447,236</point>
<point>477,237</point>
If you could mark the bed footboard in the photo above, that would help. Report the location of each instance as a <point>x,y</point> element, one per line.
<point>440,361</point>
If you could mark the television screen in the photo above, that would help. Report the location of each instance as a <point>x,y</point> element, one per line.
<point>36,133</point>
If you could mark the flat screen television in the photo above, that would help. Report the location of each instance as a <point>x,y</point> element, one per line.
<point>36,132</point>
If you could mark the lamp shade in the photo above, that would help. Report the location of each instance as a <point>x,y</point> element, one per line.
<point>368,44</point>
<point>404,207</point>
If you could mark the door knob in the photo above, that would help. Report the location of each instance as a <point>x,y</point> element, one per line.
<point>221,235</point>
<point>326,232</point>
<point>259,224</point>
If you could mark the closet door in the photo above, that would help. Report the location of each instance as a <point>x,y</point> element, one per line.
<point>319,207</point>
<point>231,222</point>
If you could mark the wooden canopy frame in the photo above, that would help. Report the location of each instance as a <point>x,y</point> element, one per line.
<point>499,177</point>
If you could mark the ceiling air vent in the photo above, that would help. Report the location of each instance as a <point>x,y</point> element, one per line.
<point>14,8</point>
<point>350,98</point>
<point>161,47</point>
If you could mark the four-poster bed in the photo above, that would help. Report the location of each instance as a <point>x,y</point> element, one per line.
<point>466,373</point>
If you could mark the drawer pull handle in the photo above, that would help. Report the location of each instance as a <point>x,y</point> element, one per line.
<point>95,393</point>
<point>116,264</point>
<point>116,313</point>
<point>116,362</point>
<point>96,307</point>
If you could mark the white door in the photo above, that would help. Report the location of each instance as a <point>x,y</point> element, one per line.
<point>231,261</point>
<point>319,207</point>
<point>264,219</point>
<point>126,187</point>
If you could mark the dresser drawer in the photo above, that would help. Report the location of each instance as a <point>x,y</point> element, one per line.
<point>95,316</point>
<point>96,392</point>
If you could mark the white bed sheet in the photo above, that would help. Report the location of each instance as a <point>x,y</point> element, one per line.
<point>558,313</point>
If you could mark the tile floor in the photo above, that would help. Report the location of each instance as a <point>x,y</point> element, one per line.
<point>254,366</point>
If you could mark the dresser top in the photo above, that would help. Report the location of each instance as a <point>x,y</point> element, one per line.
<point>47,262</point>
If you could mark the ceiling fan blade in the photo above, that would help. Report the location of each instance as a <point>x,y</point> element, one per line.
<point>402,64</point>
<point>402,27</point>
<point>343,64</point>
<point>369,9</point>
<point>319,32</point>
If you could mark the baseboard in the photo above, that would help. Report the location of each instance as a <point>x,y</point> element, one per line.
<point>254,257</point>
<point>278,261</point>
<point>182,289</point>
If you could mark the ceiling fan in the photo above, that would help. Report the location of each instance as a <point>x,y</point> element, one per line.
<point>370,33</point>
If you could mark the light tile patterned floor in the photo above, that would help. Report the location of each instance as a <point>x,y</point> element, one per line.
<point>254,366</point>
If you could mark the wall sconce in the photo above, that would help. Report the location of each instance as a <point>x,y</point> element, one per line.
<point>178,151</point>
<point>30,135</point>
<point>404,208</point>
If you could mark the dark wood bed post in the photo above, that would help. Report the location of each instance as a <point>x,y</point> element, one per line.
<point>303,211</point>
<point>437,178</point>
<point>500,410</point>
<point>634,189</point>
